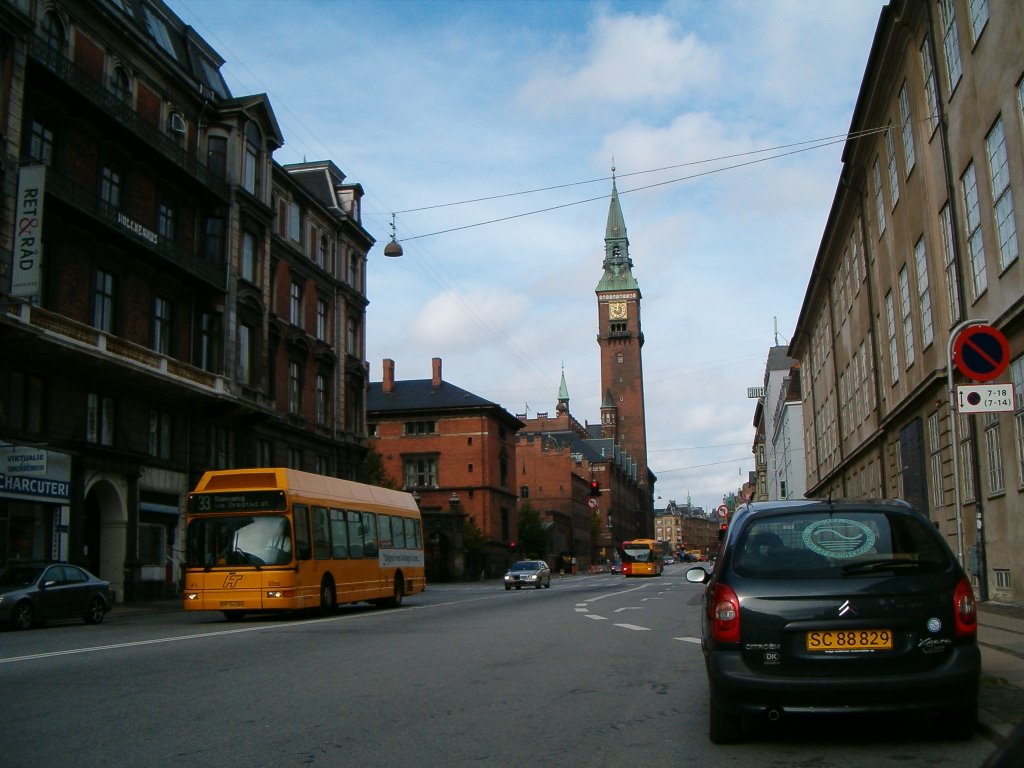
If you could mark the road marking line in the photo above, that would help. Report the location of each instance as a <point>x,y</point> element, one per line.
<point>688,639</point>
<point>596,617</point>
<point>634,627</point>
<point>581,609</point>
<point>629,608</point>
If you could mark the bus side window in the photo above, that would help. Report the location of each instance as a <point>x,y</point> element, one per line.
<point>412,533</point>
<point>321,534</point>
<point>386,541</point>
<point>369,534</point>
<point>339,534</point>
<point>302,548</point>
<point>398,532</point>
<point>355,533</point>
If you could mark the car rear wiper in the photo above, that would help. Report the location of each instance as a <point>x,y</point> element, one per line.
<point>882,564</point>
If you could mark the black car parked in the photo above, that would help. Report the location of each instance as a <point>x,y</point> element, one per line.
<point>36,592</point>
<point>850,606</point>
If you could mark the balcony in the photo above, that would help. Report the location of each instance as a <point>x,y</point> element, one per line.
<point>41,324</point>
<point>61,187</point>
<point>84,84</point>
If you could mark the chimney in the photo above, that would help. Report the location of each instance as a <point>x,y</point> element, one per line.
<point>389,375</point>
<point>436,378</point>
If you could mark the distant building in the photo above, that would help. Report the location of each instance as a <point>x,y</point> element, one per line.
<point>923,238</point>
<point>781,470</point>
<point>171,299</point>
<point>456,452</point>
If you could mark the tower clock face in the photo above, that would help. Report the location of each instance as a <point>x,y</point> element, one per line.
<point>617,310</point>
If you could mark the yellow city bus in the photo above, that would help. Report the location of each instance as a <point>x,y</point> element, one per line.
<point>280,539</point>
<point>642,557</point>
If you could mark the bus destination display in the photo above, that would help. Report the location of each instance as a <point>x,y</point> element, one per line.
<point>248,501</point>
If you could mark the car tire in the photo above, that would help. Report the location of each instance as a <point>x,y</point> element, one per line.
<point>548,584</point>
<point>21,615</point>
<point>395,601</point>
<point>723,727</point>
<point>328,597</point>
<point>539,584</point>
<point>96,611</point>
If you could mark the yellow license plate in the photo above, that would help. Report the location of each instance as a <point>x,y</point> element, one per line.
<point>850,640</point>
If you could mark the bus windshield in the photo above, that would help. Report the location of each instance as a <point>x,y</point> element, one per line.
<point>638,553</point>
<point>214,540</point>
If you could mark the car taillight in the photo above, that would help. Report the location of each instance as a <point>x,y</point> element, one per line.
<point>965,610</point>
<point>725,614</point>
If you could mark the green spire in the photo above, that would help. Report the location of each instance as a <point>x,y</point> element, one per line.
<point>618,267</point>
<point>563,390</point>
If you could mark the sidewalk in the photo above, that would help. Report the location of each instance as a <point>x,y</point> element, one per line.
<point>1001,699</point>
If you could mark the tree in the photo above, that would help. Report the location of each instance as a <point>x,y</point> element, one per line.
<point>374,473</point>
<point>533,540</point>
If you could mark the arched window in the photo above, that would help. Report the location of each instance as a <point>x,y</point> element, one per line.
<point>250,176</point>
<point>54,33</point>
<point>121,85</point>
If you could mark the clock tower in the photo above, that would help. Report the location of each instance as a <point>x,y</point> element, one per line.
<point>620,339</point>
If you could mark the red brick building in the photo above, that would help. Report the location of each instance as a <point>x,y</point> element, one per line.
<point>457,453</point>
<point>187,303</point>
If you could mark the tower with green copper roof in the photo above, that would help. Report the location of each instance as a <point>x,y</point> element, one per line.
<point>620,339</point>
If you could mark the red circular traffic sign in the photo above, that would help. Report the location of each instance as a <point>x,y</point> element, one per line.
<point>723,511</point>
<point>981,352</point>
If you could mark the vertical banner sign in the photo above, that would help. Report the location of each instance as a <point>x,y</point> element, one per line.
<point>28,231</point>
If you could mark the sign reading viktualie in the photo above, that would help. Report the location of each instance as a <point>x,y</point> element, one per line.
<point>28,231</point>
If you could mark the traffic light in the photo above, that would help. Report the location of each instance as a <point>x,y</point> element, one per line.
<point>722,529</point>
<point>595,487</point>
<point>512,546</point>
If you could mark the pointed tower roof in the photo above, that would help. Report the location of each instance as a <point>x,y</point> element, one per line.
<point>563,395</point>
<point>618,267</point>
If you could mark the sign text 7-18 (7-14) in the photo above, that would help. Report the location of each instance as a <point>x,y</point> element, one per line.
<point>984,398</point>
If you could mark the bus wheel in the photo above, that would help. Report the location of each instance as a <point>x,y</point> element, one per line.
<point>399,593</point>
<point>328,599</point>
<point>234,615</point>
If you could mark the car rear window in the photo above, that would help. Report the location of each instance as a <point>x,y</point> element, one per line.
<point>840,544</point>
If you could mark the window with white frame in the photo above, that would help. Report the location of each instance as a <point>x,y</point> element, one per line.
<point>867,398</point>
<point>248,266</point>
<point>322,398</point>
<point>928,78</point>
<point>924,299</point>
<point>110,187</point>
<point>950,43</point>
<point>103,302</point>
<point>855,257</point>
<point>894,351</point>
<point>1006,226</point>
<point>295,304</point>
<point>890,159</point>
<point>294,387</point>
<point>246,353</point>
<point>949,264</point>
<point>966,438</point>
<point>99,420</point>
<point>935,460</point>
<point>979,18</point>
<point>897,471</point>
<point>294,222</point>
<point>1017,375</point>
<point>420,472</point>
<point>165,222</point>
<point>876,174</point>
<point>40,144</point>
<point>161,341</point>
<point>907,132</point>
<point>160,424</point>
<point>251,159</point>
<point>322,315</point>
<point>975,242</point>
<point>905,314</point>
<point>994,454</point>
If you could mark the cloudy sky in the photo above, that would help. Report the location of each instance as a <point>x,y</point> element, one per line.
<point>490,129</point>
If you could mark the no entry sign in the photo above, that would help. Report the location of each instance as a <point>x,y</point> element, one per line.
<point>981,352</point>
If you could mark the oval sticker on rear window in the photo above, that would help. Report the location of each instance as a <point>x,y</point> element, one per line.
<point>838,538</point>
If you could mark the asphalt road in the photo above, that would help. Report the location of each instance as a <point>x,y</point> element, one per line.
<point>598,670</point>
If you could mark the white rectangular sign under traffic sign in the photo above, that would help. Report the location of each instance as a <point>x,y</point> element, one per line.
<point>984,398</point>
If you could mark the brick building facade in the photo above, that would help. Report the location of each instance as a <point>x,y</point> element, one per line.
<point>171,299</point>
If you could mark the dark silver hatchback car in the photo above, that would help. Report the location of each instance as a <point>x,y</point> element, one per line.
<point>850,606</point>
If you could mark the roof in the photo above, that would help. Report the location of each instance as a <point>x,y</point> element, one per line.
<point>421,395</point>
